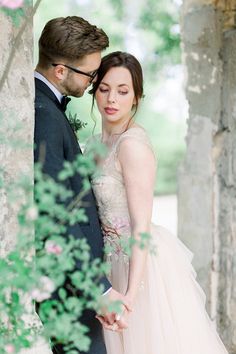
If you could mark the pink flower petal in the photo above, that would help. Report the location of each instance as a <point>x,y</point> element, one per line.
<point>11,4</point>
<point>9,348</point>
<point>52,247</point>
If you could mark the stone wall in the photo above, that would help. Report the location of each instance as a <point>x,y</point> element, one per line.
<point>207,178</point>
<point>16,136</point>
<point>225,177</point>
<point>16,118</point>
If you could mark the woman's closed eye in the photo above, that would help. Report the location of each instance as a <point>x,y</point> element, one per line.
<point>101,89</point>
<point>121,92</point>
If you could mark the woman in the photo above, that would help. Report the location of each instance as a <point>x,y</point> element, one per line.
<point>168,314</point>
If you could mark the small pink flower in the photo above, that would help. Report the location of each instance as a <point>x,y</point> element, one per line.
<point>10,348</point>
<point>44,290</point>
<point>12,4</point>
<point>32,213</point>
<point>39,295</point>
<point>52,247</point>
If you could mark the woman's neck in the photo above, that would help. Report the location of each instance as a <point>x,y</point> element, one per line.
<point>111,132</point>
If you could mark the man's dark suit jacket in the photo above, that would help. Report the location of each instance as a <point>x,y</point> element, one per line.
<point>54,131</point>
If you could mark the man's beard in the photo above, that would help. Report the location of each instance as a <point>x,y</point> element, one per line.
<point>75,93</point>
<point>78,92</point>
<point>69,90</point>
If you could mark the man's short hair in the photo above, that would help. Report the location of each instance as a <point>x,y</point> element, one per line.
<point>69,38</point>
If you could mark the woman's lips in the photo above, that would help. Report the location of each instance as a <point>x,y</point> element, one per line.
<point>110,110</point>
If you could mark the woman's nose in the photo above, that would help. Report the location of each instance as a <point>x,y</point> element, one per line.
<point>111,97</point>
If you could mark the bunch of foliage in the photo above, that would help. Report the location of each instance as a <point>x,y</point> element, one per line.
<point>25,278</point>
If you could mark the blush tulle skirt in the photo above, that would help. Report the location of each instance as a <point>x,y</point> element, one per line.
<point>169,315</point>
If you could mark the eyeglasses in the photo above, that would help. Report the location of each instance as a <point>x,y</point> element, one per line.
<point>91,75</point>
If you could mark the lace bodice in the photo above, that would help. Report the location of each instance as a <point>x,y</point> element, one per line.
<point>110,193</point>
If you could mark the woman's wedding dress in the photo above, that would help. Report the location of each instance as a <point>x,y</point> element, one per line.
<point>169,315</point>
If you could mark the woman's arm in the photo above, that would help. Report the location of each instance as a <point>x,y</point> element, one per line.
<point>138,168</point>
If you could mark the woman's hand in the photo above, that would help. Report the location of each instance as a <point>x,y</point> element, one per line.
<point>120,320</point>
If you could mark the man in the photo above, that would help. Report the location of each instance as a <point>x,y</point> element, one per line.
<point>69,56</point>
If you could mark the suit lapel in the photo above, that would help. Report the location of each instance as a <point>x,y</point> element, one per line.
<point>41,86</point>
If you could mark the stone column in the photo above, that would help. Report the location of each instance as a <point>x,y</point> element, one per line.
<point>16,137</point>
<point>225,177</point>
<point>16,117</point>
<point>207,178</point>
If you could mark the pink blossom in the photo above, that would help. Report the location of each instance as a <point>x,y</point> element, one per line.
<point>40,296</point>
<point>52,247</point>
<point>11,4</point>
<point>45,289</point>
<point>9,348</point>
<point>32,213</point>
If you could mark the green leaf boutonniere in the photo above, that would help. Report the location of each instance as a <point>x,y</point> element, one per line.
<point>75,122</point>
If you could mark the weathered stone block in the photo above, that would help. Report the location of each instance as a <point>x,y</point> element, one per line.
<point>16,117</point>
<point>207,179</point>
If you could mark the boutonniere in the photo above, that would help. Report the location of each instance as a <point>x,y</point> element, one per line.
<point>75,122</point>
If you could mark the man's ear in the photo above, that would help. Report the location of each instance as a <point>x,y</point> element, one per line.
<point>59,71</point>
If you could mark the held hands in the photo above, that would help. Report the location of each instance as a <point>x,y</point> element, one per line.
<point>112,320</point>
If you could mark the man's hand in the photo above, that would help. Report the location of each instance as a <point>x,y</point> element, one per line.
<point>112,320</point>
<point>121,321</point>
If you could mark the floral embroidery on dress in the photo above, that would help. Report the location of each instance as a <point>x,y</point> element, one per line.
<point>113,233</point>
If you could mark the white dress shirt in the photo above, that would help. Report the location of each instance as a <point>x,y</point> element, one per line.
<point>57,93</point>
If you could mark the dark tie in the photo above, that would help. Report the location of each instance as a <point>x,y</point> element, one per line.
<point>64,101</point>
